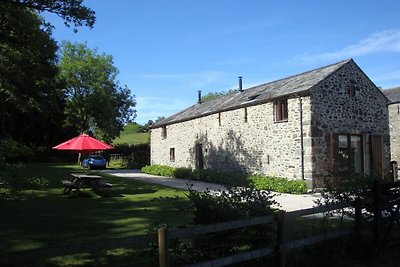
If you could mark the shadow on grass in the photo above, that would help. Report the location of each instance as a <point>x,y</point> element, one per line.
<point>50,218</point>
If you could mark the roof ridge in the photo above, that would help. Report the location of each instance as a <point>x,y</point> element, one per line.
<point>303,73</point>
<point>267,91</point>
<point>390,89</point>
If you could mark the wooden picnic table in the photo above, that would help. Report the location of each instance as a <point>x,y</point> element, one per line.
<point>84,180</point>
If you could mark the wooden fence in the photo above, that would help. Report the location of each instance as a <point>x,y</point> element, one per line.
<point>280,248</point>
<point>380,201</point>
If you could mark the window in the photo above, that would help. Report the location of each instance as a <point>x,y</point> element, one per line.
<point>356,153</point>
<point>245,114</point>
<point>172,154</point>
<point>348,153</point>
<point>164,132</point>
<point>281,110</point>
<point>219,118</point>
<point>352,88</point>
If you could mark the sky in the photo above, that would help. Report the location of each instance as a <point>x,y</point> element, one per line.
<point>166,51</point>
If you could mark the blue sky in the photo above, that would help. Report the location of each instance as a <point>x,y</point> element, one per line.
<point>168,50</point>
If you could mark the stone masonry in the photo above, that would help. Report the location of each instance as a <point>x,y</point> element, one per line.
<point>394,127</point>
<point>344,102</point>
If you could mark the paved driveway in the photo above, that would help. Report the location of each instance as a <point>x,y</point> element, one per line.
<point>287,202</point>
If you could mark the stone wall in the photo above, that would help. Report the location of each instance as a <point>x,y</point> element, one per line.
<point>259,145</point>
<point>346,102</point>
<point>394,128</point>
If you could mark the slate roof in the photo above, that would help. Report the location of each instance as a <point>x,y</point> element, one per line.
<point>297,84</point>
<point>392,94</point>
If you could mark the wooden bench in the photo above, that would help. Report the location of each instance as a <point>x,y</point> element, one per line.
<point>68,186</point>
<point>95,184</point>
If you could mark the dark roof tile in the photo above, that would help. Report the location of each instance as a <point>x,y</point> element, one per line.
<point>297,84</point>
<point>393,94</point>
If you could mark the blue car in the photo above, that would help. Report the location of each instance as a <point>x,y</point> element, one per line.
<point>94,162</point>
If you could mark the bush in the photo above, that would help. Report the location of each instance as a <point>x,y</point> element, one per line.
<point>345,189</point>
<point>13,183</point>
<point>183,173</point>
<point>234,204</point>
<point>218,177</point>
<point>277,184</point>
<point>229,179</point>
<point>135,156</point>
<point>159,170</point>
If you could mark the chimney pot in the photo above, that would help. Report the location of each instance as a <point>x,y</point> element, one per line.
<point>199,100</point>
<point>240,84</point>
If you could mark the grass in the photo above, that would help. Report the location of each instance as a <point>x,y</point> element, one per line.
<point>39,218</point>
<point>132,134</point>
<point>45,217</point>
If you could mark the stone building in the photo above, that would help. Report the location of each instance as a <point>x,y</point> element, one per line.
<point>328,120</point>
<point>394,122</point>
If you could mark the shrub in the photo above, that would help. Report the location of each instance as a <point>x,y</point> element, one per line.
<point>218,177</point>
<point>229,205</point>
<point>159,170</point>
<point>135,156</point>
<point>230,179</point>
<point>183,173</point>
<point>345,189</point>
<point>278,184</point>
<point>13,183</point>
<point>237,203</point>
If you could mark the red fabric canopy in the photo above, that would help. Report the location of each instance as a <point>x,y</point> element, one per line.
<point>83,144</point>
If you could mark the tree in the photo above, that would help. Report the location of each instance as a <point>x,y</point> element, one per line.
<point>31,102</point>
<point>95,102</point>
<point>72,11</point>
<point>213,95</point>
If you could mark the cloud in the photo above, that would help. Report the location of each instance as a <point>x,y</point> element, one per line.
<point>380,42</point>
<point>390,76</point>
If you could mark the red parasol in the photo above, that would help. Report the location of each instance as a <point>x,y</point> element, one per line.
<point>83,144</point>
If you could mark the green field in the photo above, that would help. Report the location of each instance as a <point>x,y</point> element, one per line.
<point>132,134</point>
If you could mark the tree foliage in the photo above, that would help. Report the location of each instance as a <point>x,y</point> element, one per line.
<point>31,102</point>
<point>95,101</point>
<point>71,11</point>
<point>213,95</point>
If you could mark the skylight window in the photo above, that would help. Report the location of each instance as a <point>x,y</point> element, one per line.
<point>251,98</point>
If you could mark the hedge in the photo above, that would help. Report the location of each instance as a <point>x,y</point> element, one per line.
<point>277,184</point>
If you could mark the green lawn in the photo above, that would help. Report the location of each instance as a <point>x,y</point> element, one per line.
<point>132,134</point>
<point>46,217</point>
<point>133,139</point>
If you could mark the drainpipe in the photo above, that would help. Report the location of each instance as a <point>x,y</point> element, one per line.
<point>301,137</point>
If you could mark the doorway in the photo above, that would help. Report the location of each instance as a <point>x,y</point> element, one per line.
<point>199,157</point>
<point>356,153</point>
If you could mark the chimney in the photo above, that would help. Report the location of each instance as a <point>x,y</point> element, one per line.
<point>240,84</point>
<point>199,101</point>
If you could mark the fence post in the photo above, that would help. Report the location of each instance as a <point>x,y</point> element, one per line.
<point>162,247</point>
<point>280,246</point>
<point>358,217</point>
<point>377,215</point>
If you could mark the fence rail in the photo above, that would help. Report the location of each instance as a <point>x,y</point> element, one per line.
<point>164,236</point>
